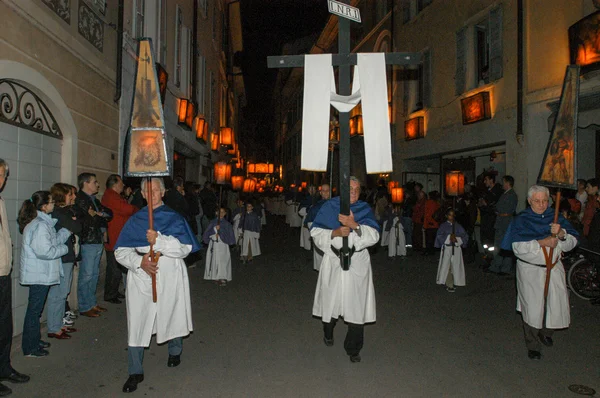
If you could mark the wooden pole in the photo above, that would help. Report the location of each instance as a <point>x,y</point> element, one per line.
<point>151,226</point>
<point>550,257</point>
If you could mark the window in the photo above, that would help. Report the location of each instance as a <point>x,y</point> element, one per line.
<point>479,52</point>
<point>138,18</point>
<point>204,8</point>
<point>178,34</point>
<point>185,58</point>
<point>417,85</point>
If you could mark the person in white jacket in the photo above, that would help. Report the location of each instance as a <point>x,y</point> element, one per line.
<point>170,318</point>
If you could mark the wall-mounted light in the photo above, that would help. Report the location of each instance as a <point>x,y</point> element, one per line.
<point>214,141</point>
<point>476,108</point>
<point>226,137</point>
<point>414,128</point>
<point>201,129</point>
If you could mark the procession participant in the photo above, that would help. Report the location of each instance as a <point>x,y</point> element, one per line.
<point>236,217</point>
<point>531,236</point>
<point>218,236</point>
<point>591,204</point>
<point>487,208</point>
<point>451,268</point>
<point>387,220</point>
<point>502,262</point>
<point>170,318</point>
<point>349,294</point>
<point>307,202</point>
<point>325,194</point>
<point>396,239</point>
<point>250,224</point>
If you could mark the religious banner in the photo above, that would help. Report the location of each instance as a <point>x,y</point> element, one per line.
<point>559,167</point>
<point>146,153</point>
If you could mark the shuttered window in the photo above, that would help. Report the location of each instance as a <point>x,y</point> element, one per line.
<point>495,32</point>
<point>460,78</point>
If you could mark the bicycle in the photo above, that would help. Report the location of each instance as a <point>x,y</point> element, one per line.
<point>583,276</point>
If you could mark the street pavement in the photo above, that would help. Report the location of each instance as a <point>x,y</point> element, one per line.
<point>256,338</point>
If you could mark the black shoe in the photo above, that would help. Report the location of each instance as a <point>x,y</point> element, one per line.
<point>355,358</point>
<point>535,355</point>
<point>4,391</point>
<point>132,383</point>
<point>546,340</point>
<point>328,342</point>
<point>174,360</point>
<point>15,377</point>
<point>38,354</point>
<point>44,344</point>
<point>120,296</point>
<point>114,301</point>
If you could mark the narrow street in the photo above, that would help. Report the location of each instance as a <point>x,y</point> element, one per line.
<point>256,338</point>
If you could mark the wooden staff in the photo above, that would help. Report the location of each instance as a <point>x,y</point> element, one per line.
<point>549,258</point>
<point>151,226</point>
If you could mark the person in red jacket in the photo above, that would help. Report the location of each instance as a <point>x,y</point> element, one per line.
<point>121,212</point>
<point>430,221</point>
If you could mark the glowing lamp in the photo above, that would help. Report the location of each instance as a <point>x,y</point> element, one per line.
<point>261,168</point>
<point>201,129</point>
<point>455,183</point>
<point>182,112</point>
<point>251,167</point>
<point>414,128</point>
<point>356,126</point>
<point>222,173</point>
<point>476,108</point>
<point>303,184</point>
<point>397,195</point>
<point>334,135</point>
<point>271,168</point>
<point>190,114</point>
<point>237,182</point>
<point>249,185</point>
<point>226,137</point>
<point>214,141</point>
<point>392,185</point>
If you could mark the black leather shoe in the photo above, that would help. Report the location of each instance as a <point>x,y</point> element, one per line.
<point>174,360</point>
<point>44,344</point>
<point>546,340</point>
<point>16,377</point>
<point>535,355</point>
<point>355,358</point>
<point>328,342</point>
<point>132,383</point>
<point>120,296</point>
<point>114,301</point>
<point>4,391</point>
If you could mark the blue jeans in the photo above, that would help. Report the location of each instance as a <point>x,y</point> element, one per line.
<point>31,327</point>
<point>88,275</point>
<point>135,355</point>
<point>57,297</point>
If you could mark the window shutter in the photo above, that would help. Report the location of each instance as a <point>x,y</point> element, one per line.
<point>185,81</point>
<point>461,62</point>
<point>200,90</point>
<point>427,79</point>
<point>406,11</point>
<point>405,96</point>
<point>495,34</point>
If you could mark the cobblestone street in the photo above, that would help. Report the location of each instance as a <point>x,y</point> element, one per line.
<point>256,338</point>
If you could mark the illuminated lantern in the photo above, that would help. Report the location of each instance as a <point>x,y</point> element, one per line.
<point>214,142</point>
<point>455,183</point>
<point>233,150</point>
<point>293,186</point>
<point>261,168</point>
<point>222,173</point>
<point>182,112</point>
<point>262,183</point>
<point>356,126</point>
<point>249,185</point>
<point>271,168</point>
<point>334,135</point>
<point>226,135</point>
<point>201,129</point>
<point>190,114</point>
<point>304,184</point>
<point>251,168</point>
<point>476,108</point>
<point>237,182</point>
<point>280,172</point>
<point>414,128</point>
<point>397,195</point>
<point>392,185</point>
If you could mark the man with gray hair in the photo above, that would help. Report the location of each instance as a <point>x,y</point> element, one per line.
<point>533,236</point>
<point>345,293</point>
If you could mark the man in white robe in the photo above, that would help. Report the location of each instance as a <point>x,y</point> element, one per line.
<point>170,318</point>
<point>349,294</point>
<point>532,235</point>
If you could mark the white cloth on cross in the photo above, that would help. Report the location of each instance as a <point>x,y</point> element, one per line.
<point>369,87</point>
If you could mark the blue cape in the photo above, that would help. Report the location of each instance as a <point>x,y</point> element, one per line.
<point>250,222</point>
<point>225,232</point>
<point>313,211</point>
<point>528,226</point>
<point>166,221</point>
<point>327,217</point>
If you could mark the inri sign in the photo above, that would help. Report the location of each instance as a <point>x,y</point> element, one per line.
<point>344,10</point>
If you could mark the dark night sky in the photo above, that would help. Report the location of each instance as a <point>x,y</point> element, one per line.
<point>267,26</point>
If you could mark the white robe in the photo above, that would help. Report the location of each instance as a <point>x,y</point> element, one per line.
<point>304,232</point>
<point>349,294</point>
<point>396,247</point>
<point>171,315</point>
<point>294,218</point>
<point>251,238</point>
<point>385,235</point>
<point>447,260</point>
<point>237,231</point>
<point>530,285</point>
<point>218,260</point>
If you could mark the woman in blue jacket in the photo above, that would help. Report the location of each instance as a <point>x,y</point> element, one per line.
<point>40,264</point>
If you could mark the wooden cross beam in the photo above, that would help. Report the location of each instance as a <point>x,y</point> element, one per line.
<point>344,60</point>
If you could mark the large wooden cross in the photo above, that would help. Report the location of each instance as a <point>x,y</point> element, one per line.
<point>343,60</point>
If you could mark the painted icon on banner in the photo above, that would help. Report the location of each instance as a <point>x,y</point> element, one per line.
<point>559,165</point>
<point>147,152</point>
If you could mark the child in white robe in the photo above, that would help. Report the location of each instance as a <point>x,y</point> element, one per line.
<point>219,235</point>
<point>397,240</point>
<point>250,224</point>
<point>451,236</point>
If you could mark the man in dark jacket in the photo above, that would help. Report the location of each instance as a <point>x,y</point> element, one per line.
<point>174,198</point>
<point>95,224</point>
<point>209,200</point>
<point>505,210</point>
<point>487,207</point>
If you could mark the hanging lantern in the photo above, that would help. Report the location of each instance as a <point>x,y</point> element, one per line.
<point>397,195</point>
<point>414,128</point>
<point>237,182</point>
<point>201,129</point>
<point>249,185</point>
<point>226,137</point>
<point>222,173</point>
<point>214,141</point>
<point>182,112</point>
<point>271,168</point>
<point>190,114</point>
<point>261,168</point>
<point>304,184</point>
<point>455,183</point>
<point>356,126</point>
<point>251,168</point>
<point>392,185</point>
